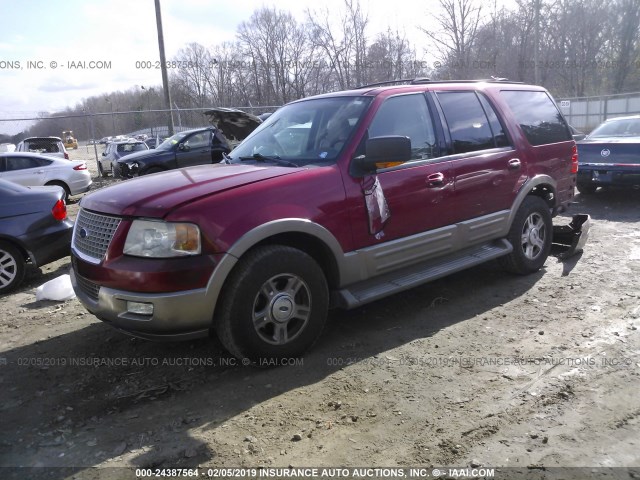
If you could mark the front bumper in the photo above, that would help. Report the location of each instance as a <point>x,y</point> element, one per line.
<point>181,315</point>
<point>128,170</point>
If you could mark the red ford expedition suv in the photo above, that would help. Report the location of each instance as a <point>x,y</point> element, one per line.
<point>334,201</point>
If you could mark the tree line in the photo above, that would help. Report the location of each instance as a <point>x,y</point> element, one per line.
<point>572,47</point>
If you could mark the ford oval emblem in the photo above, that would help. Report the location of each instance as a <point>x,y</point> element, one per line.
<point>605,152</point>
<point>84,233</point>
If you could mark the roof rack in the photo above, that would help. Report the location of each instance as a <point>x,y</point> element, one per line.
<point>417,81</point>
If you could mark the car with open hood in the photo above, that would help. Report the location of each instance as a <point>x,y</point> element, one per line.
<point>335,200</point>
<point>199,146</point>
<point>610,156</point>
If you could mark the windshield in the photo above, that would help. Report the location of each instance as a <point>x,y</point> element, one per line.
<point>628,127</point>
<point>311,131</point>
<point>171,141</point>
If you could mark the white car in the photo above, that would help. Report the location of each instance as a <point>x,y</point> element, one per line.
<point>52,146</point>
<point>31,169</point>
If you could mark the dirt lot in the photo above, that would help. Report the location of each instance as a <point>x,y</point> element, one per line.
<point>479,369</point>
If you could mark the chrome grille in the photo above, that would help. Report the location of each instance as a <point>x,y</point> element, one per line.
<point>89,288</point>
<point>93,233</point>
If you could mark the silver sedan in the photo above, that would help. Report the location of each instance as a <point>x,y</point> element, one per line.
<point>31,170</point>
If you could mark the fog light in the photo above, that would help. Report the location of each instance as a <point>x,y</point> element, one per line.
<point>140,308</point>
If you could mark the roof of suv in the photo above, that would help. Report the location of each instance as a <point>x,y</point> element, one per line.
<point>410,85</point>
<point>57,139</point>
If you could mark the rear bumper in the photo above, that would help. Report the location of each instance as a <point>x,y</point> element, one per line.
<point>619,177</point>
<point>570,239</point>
<point>51,245</point>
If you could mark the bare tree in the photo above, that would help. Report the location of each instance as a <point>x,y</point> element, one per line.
<point>344,45</point>
<point>459,21</point>
<point>627,41</point>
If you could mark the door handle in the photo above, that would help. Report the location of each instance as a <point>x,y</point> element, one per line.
<point>37,172</point>
<point>514,163</point>
<point>435,180</point>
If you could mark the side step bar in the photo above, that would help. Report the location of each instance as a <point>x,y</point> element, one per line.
<point>388,284</point>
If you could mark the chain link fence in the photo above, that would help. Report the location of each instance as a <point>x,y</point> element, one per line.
<point>89,128</point>
<point>586,113</point>
<point>89,125</point>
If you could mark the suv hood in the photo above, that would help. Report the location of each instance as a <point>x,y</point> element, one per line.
<point>158,194</point>
<point>143,154</point>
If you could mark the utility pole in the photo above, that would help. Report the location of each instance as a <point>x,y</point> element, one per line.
<point>536,72</point>
<point>163,69</point>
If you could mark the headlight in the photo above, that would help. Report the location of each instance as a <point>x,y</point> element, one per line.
<point>147,238</point>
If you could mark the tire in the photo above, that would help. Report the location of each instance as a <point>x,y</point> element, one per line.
<point>101,170</point>
<point>274,305</point>
<point>531,235</point>
<point>12,267</point>
<point>115,170</point>
<point>64,187</point>
<point>586,188</point>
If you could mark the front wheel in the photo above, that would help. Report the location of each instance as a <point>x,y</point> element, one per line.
<point>273,306</point>
<point>530,234</point>
<point>64,187</point>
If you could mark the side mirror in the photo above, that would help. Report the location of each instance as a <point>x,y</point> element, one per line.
<point>382,152</point>
<point>183,147</point>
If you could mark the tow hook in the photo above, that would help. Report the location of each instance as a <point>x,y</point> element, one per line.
<point>570,239</point>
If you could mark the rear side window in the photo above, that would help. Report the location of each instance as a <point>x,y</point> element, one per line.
<point>496,127</point>
<point>468,123</point>
<point>20,163</point>
<point>537,115</point>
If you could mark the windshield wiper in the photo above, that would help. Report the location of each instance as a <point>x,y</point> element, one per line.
<point>258,157</point>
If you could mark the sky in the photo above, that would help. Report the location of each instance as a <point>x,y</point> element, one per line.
<point>45,58</point>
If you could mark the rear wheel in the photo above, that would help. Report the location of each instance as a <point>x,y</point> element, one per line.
<point>12,267</point>
<point>274,304</point>
<point>586,188</point>
<point>530,234</point>
<point>64,187</point>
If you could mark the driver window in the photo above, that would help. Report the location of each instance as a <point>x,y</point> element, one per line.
<point>198,140</point>
<point>407,115</point>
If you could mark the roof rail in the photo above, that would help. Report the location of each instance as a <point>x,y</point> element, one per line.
<point>417,81</point>
<point>389,82</point>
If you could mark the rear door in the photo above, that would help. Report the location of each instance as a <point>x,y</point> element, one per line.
<point>487,169</point>
<point>194,150</point>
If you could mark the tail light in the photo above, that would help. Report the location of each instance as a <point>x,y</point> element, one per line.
<point>59,210</point>
<point>574,159</point>
<point>82,166</point>
<point>66,156</point>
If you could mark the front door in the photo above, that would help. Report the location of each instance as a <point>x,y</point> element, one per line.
<point>416,192</point>
<point>194,150</point>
